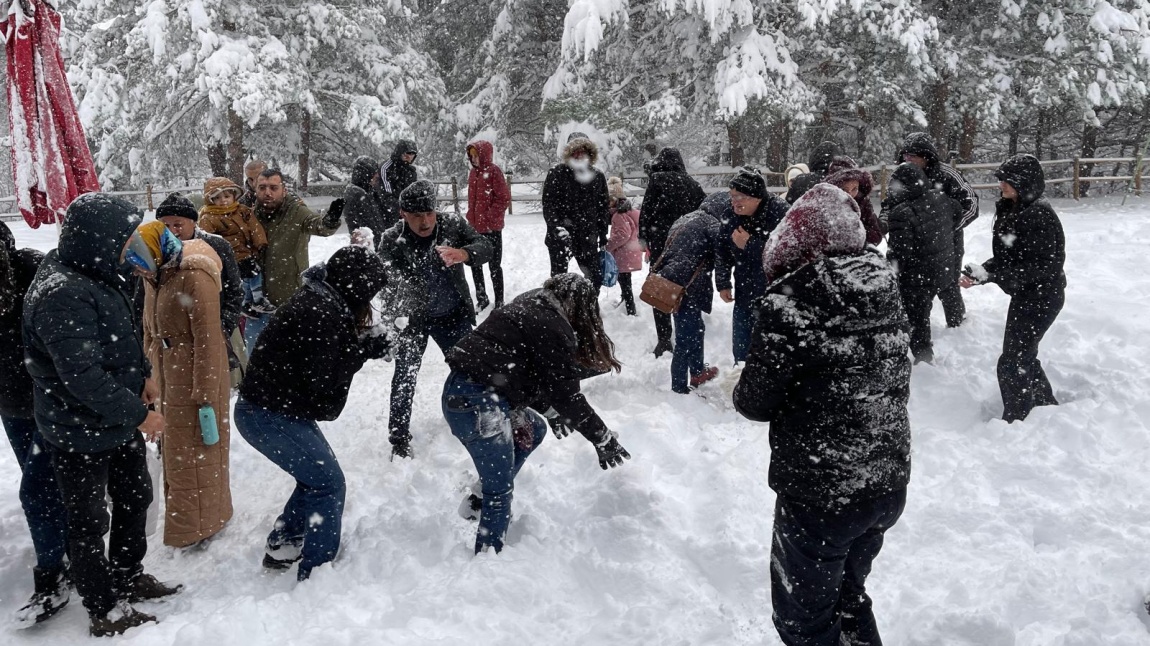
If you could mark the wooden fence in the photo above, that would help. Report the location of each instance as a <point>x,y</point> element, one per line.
<point>1072,174</point>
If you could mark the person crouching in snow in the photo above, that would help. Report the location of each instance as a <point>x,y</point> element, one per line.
<point>528,356</point>
<point>224,216</point>
<point>1029,252</point>
<point>828,368</point>
<point>688,260</point>
<point>623,243</point>
<point>300,372</point>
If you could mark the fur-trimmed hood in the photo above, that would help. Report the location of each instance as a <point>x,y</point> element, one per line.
<point>198,254</point>
<point>580,143</point>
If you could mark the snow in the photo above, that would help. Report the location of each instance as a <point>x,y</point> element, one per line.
<point>1030,534</point>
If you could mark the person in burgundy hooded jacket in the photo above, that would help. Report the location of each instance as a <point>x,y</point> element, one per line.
<point>844,173</point>
<point>488,197</point>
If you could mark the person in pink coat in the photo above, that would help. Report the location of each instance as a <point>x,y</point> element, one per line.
<point>623,243</point>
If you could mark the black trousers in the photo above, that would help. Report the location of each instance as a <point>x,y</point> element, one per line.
<point>628,294</point>
<point>84,478</point>
<point>589,264</point>
<point>820,559</point>
<point>1021,380</point>
<point>663,328</point>
<point>917,301</point>
<point>951,295</point>
<point>496,265</point>
<point>560,255</point>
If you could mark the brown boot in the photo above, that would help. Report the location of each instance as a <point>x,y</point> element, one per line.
<point>145,587</point>
<point>121,618</point>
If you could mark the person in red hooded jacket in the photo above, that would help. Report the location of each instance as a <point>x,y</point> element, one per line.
<point>488,197</point>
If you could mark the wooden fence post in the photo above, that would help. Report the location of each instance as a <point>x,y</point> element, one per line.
<point>511,202</point>
<point>1077,178</point>
<point>455,194</point>
<point>148,191</point>
<point>882,178</point>
<point>1139,170</point>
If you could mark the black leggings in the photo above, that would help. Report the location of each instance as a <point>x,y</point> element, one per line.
<point>628,295</point>
<point>496,265</point>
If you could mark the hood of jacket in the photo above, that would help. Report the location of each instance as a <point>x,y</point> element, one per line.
<point>823,222</point>
<point>198,254</point>
<point>919,143</point>
<point>362,170</point>
<point>356,274</point>
<point>1024,173</point>
<point>484,150</point>
<point>668,160</point>
<point>218,183</point>
<point>718,205</point>
<point>95,229</point>
<point>580,143</point>
<point>403,147</point>
<point>907,182</point>
<point>841,177</point>
<point>822,156</point>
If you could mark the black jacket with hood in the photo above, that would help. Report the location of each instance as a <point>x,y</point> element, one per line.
<point>1028,242</point>
<point>670,195</point>
<point>921,220</point>
<point>305,359</point>
<point>943,177</point>
<point>747,263</point>
<point>82,343</point>
<point>15,382</point>
<point>692,245</point>
<point>394,176</point>
<point>362,204</point>
<point>582,208</point>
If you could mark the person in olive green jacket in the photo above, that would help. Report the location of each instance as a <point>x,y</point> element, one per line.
<point>289,224</point>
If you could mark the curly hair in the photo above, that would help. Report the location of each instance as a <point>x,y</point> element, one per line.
<point>580,301</point>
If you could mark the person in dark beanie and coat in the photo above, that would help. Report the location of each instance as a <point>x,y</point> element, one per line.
<point>576,210</point>
<point>828,369</point>
<point>918,148</point>
<point>300,373</point>
<point>93,389</point>
<point>858,183</point>
<point>527,358</point>
<point>920,249</point>
<point>755,213</point>
<point>488,197</point>
<point>671,193</point>
<point>427,293</point>
<point>1029,253</point>
<point>39,493</point>
<point>362,204</point>
<point>396,174</point>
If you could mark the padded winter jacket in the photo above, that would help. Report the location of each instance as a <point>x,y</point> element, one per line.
<point>942,177</point>
<point>289,229</point>
<point>623,243</point>
<point>82,343</point>
<point>1028,242</point>
<point>921,243</point>
<point>15,382</point>
<point>692,246</point>
<point>488,195</point>
<point>583,209</point>
<point>670,195</point>
<point>747,263</point>
<point>828,368</point>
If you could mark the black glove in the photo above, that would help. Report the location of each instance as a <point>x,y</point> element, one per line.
<point>602,240</point>
<point>611,453</point>
<point>401,444</point>
<point>558,427</point>
<point>376,347</point>
<point>333,214</point>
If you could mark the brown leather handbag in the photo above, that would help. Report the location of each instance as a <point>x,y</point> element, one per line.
<point>662,294</point>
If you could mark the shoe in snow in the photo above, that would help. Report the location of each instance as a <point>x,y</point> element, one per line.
<point>481,303</point>
<point>663,346</point>
<point>50,596</point>
<point>282,557</point>
<point>471,507</point>
<point>145,587</point>
<point>120,619</point>
<point>263,307</point>
<point>708,373</point>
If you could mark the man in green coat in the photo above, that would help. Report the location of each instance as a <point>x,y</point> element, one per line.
<point>290,224</point>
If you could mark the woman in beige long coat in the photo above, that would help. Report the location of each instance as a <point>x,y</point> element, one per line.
<point>185,344</point>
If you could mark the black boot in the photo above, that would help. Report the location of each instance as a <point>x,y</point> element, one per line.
<point>120,619</point>
<point>663,346</point>
<point>145,587</point>
<point>51,594</point>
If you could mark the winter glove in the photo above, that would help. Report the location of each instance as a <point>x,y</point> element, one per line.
<point>400,444</point>
<point>333,214</point>
<point>522,429</point>
<point>558,427</point>
<point>378,342</point>
<point>602,240</point>
<point>976,272</point>
<point>611,453</point>
<point>208,428</point>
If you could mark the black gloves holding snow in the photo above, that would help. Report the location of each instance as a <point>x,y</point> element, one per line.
<point>400,444</point>
<point>334,212</point>
<point>611,453</point>
<point>558,428</point>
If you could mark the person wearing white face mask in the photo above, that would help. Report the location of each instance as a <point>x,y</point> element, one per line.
<point>576,209</point>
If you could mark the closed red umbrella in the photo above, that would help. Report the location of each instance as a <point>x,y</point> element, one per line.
<point>51,163</point>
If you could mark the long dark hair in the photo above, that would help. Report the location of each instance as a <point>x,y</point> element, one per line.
<point>580,301</point>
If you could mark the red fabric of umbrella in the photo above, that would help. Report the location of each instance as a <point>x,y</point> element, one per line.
<point>51,163</point>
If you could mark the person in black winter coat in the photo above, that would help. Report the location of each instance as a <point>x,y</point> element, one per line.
<point>39,494</point>
<point>671,193</point>
<point>688,260</point>
<point>91,398</point>
<point>362,203</point>
<point>396,174</point>
<point>528,356</point>
<point>576,210</point>
<point>743,235</point>
<point>828,369</point>
<point>920,249</point>
<point>300,371</point>
<point>1029,253</point>
<point>427,294</point>
<point>919,149</point>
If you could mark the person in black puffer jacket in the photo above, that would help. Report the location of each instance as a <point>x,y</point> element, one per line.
<point>362,206</point>
<point>671,193</point>
<point>829,370</point>
<point>1029,253</point>
<point>527,356</point>
<point>92,392</point>
<point>920,249</point>
<point>39,494</point>
<point>576,209</point>
<point>300,371</point>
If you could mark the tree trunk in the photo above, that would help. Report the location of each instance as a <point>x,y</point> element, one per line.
<point>1089,149</point>
<point>1039,133</point>
<point>235,153</point>
<point>780,142</point>
<point>305,149</point>
<point>966,141</point>
<point>936,119</point>
<point>735,137</point>
<point>218,159</point>
<point>1012,147</point>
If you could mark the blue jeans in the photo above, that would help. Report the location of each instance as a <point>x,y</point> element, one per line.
<point>253,287</point>
<point>313,515</point>
<point>39,493</point>
<point>742,325</point>
<point>688,357</point>
<point>252,329</point>
<point>482,421</point>
<point>820,559</point>
<point>447,331</point>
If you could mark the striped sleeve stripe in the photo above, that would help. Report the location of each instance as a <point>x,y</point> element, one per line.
<point>971,212</point>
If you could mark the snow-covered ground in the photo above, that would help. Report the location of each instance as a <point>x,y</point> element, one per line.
<point>1036,533</point>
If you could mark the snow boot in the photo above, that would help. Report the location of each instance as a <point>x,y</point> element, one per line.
<point>663,346</point>
<point>283,556</point>
<point>51,594</point>
<point>120,619</point>
<point>145,587</point>
<point>708,373</point>
<point>471,507</point>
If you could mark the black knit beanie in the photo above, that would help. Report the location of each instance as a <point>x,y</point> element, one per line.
<point>176,204</point>
<point>419,197</point>
<point>749,182</point>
